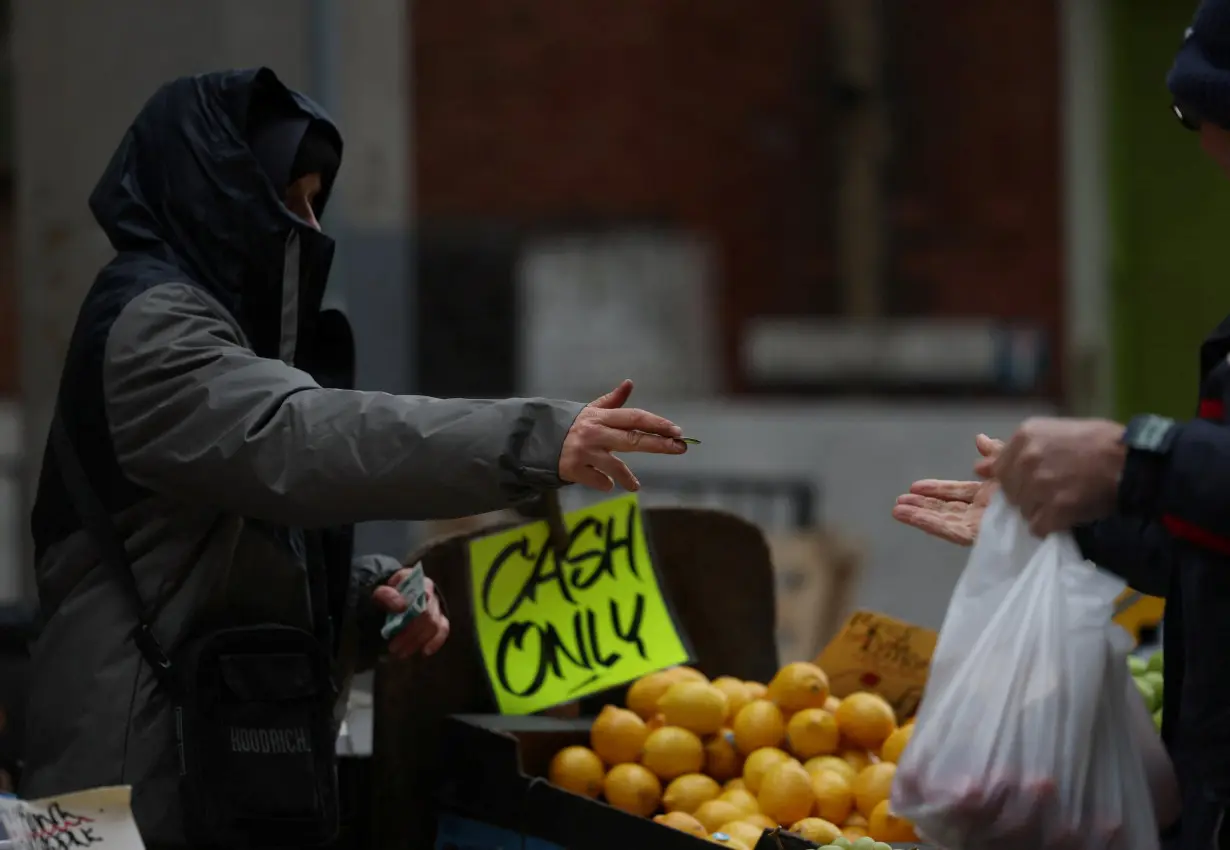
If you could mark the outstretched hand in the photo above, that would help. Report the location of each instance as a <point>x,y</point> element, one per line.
<point>951,510</point>
<point>604,427</point>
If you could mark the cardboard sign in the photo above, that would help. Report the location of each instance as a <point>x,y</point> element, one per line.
<point>1136,612</point>
<point>100,818</point>
<point>875,652</point>
<point>555,629</point>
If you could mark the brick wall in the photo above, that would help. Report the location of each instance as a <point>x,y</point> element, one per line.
<point>719,118</point>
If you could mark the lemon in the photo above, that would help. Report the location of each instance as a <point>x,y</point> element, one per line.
<point>758,764</point>
<point>686,793</point>
<point>736,783</point>
<point>741,830</point>
<point>785,792</point>
<point>836,764</point>
<point>761,820</point>
<point>855,819</point>
<point>736,694</point>
<point>722,760</point>
<point>812,732</point>
<point>866,720</point>
<point>853,833</point>
<point>857,759</point>
<point>671,752</point>
<point>756,690</point>
<point>682,822</point>
<point>816,830</point>
<point>798,686</point>
<point>873,785</point>
<point>683,674</point>
<point>830,704</point>
<point>633,789</point>
<point>577,769</point>
<point>714,813</point>
<point>884,826</point>
<point>834,796</point>
<point>758,724</point>
<point>617,735</point>
<point>645,692</point>
<point>697,706</point>
<point>742,798</point>
<point>894,745</point>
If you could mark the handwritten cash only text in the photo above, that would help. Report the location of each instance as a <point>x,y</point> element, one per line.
<point>554,629</point>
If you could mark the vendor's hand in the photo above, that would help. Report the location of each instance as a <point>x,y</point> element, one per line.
<point>605,427</point>
<point>1060,473</point>
<point>427,632</point>
<point>949,510</point>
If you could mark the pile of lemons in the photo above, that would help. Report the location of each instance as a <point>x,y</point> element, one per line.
<point>727,759</point>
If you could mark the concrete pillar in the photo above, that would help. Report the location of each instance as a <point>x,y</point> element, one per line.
<point>1084,81</point>
<point>373,277</point>
<point>82,71</point>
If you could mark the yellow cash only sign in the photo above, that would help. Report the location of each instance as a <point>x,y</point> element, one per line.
<point>553,628</point>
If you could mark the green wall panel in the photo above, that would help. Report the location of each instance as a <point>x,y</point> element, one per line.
<point>1170,217</point>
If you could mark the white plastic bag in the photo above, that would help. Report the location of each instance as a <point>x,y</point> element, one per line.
<point>1025,736</point>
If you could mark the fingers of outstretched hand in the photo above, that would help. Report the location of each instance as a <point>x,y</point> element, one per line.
<point>946,526</point>
<point>938,505</point>
<point>634,419</point>
<point>988,446</point>
<point>616,398</point>
<point>614,469</point>
<point>949,491</point>
<point>588,476</point>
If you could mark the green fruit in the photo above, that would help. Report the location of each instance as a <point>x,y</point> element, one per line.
<point>1146,689</point>
<point>866,841</point>
<point>1157,718</point>
<point>1158,683</point>
<point>1137,665</point>
<point>1156,662</point>
<point>880,845</point>
<point>841,842</point>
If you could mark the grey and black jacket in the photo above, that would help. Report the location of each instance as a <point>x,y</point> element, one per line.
<point>189,393</point>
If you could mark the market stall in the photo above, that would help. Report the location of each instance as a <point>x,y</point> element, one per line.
<point>527,727</point>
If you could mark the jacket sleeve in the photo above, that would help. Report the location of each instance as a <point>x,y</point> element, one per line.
<point>1185,490</point>
<point>196,415</point>
<point>361,642</point>
<point>1136,550</point>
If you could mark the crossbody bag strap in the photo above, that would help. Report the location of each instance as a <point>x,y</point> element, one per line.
<point>97,523</point>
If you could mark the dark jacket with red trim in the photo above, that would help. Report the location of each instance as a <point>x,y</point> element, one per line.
<point>1171,538</point>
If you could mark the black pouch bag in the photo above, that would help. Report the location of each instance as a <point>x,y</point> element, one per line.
<point>253,709</point>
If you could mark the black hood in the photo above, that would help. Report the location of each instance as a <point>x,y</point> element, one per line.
<point>185,187</point>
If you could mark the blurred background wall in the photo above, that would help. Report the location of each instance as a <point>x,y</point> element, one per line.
<point>835,239</point>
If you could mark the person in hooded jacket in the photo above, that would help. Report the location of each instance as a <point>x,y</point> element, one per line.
<point>1149,501</point>
<point>229,472</point>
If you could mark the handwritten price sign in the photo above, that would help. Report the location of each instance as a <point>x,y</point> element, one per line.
<point>100,818</point>
<point>553,629</point>
<point>875,652</point>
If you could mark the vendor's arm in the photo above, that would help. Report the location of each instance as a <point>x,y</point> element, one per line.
<point>1136,550</point>
<point>1178,473</point>
<point>196,415</point>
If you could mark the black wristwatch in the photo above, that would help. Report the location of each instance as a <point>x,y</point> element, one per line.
<point>1149,440</point>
